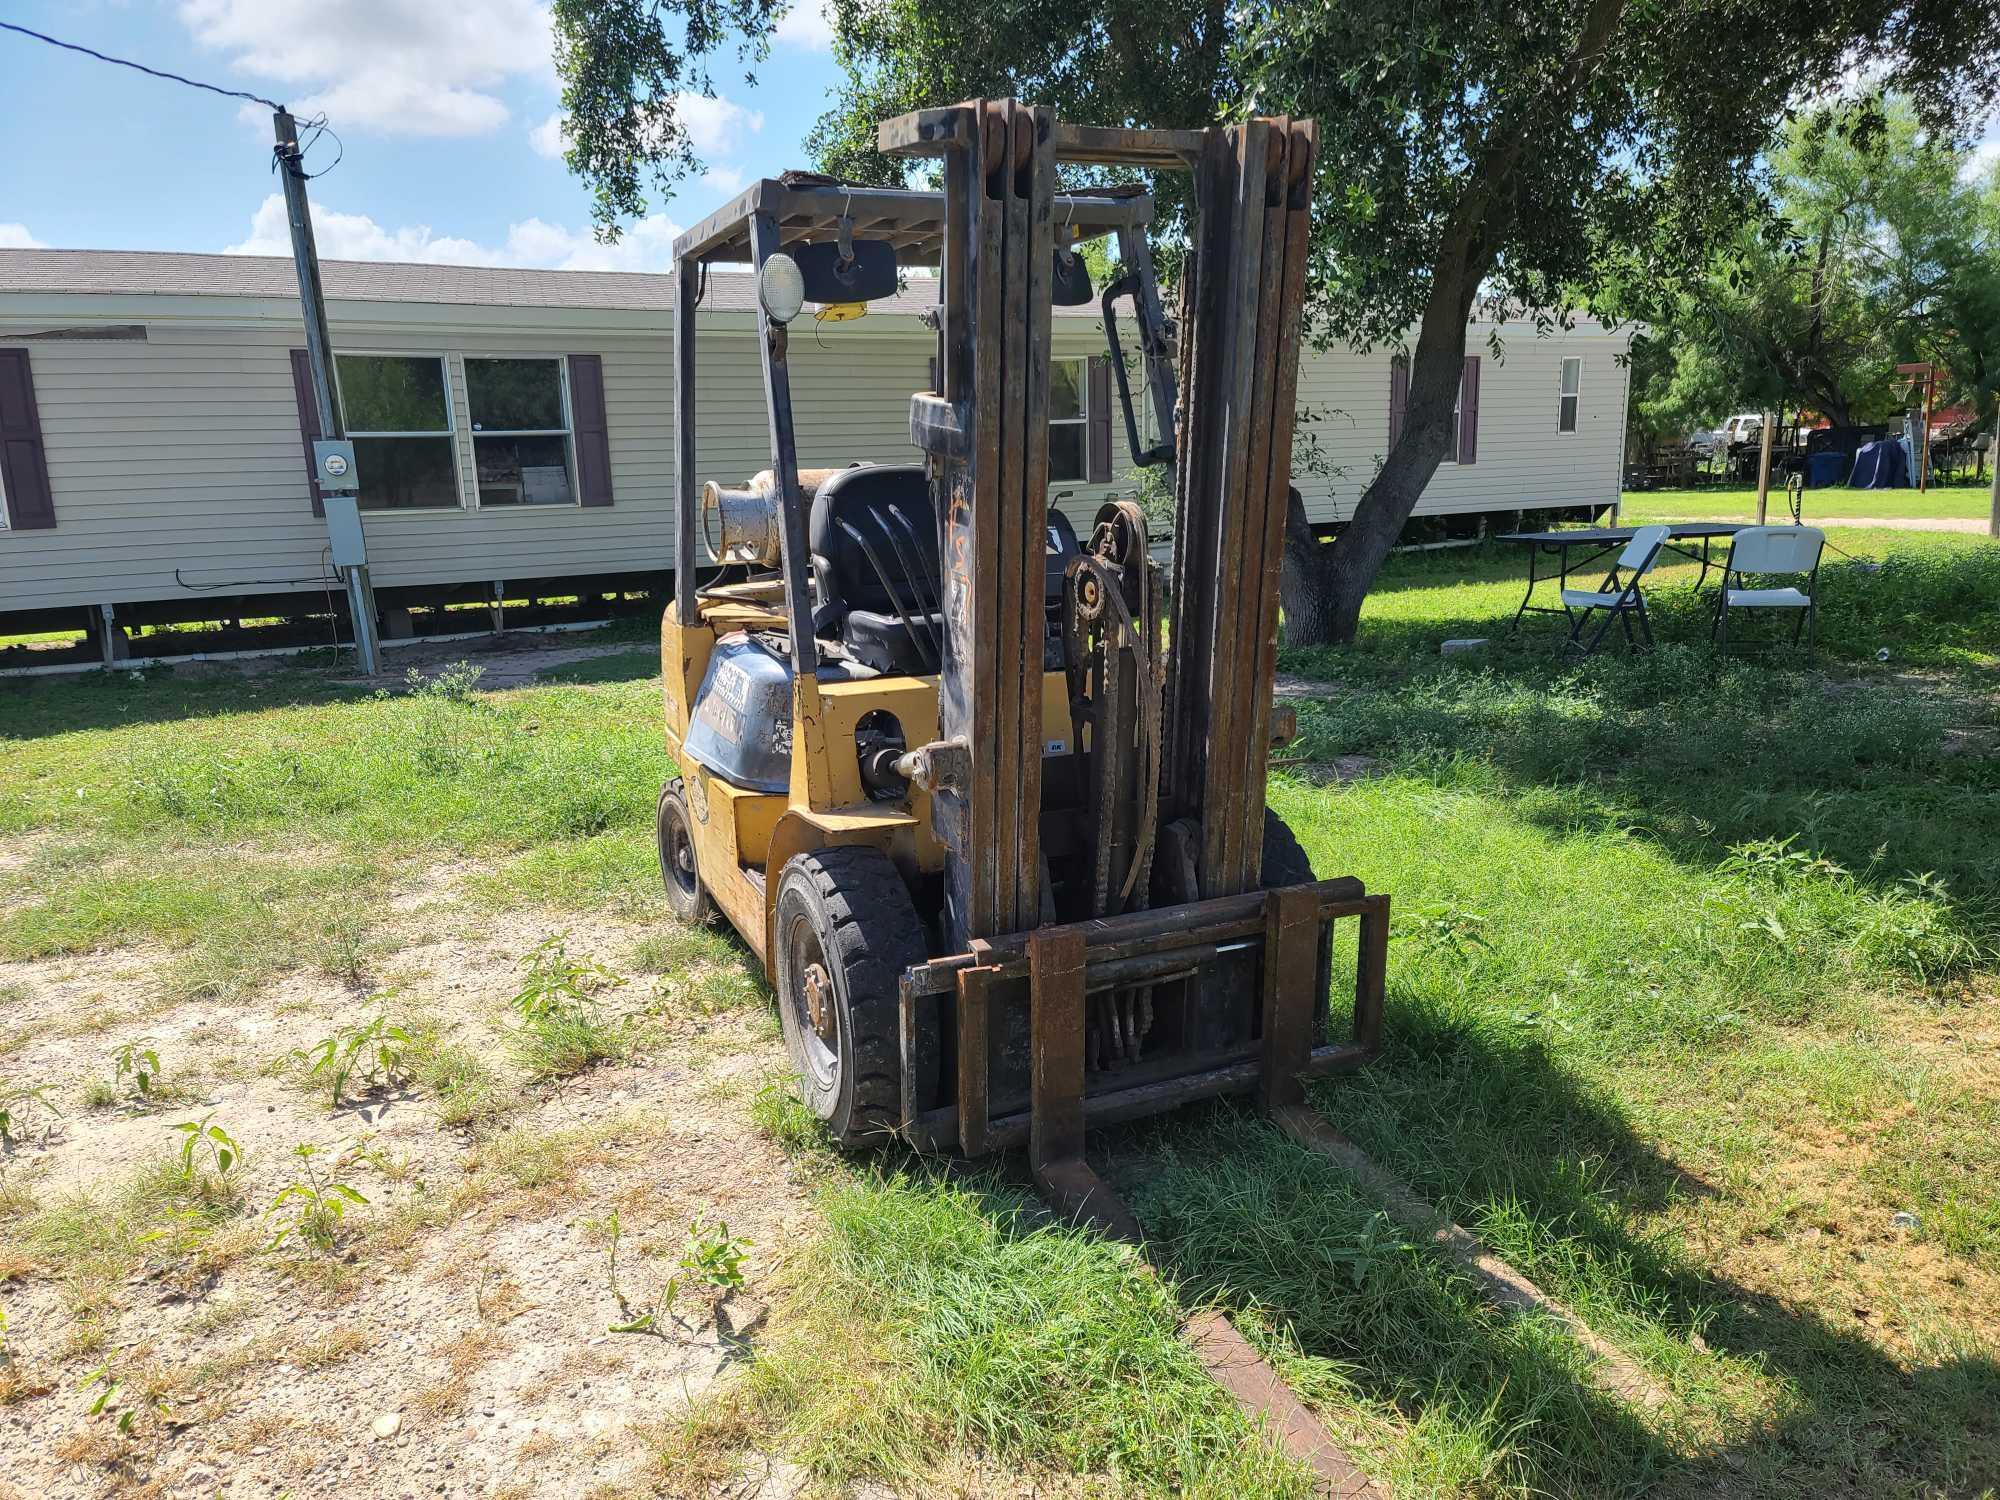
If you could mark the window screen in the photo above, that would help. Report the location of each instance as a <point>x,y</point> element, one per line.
<point>1069,421</point>
<point>398,413</point>
<point>520,431</point>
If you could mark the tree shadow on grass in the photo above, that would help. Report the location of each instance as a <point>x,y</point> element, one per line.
<point>1700,755</point>
<point>36,708</point>
<point>1497,1133</point>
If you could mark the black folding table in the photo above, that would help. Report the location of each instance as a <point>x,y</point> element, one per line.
<point>1599,542</point>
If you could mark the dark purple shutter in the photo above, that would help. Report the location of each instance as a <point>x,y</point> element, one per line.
<point>1468,412</point>
<point>24,460</point>
<point>1399,396</point>
<point>1098,409</point>
<point>593,435</point>
<point>309,433</point>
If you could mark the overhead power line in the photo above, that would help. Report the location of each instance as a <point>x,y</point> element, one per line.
<point>126,62</point>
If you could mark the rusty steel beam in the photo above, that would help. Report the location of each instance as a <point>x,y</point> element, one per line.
<point>1160,929</point>
<point>1615,1372</point>
<point>1240,340</point>
<point>1291,974</point>
<point>1055,1128</point>
<point>1233,1363</point>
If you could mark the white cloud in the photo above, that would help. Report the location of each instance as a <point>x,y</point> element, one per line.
<point>1979,164</point>
<point>715,126</point>
<point>407,67</point>
<point>645,246</point>
<point>549,138</point>
<point>16,237</point>
<point>808,25</point>
<point>728,181</point>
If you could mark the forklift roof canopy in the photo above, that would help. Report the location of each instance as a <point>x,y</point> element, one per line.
<point>810,207</point>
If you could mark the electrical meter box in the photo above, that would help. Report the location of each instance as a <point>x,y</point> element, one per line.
<point>333,466</point>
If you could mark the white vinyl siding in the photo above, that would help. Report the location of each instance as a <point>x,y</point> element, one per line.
<point>1347,395</point>
<point>177,465</point>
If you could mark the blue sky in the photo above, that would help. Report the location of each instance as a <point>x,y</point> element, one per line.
<point>448,110</point>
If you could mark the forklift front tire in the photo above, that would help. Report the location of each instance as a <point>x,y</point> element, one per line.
<point>845,932</point>
<point>680,872</point>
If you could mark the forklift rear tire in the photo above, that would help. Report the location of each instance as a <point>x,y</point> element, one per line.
<point>845,931</point>
<point>680,872</point>
<point>1285,863</point>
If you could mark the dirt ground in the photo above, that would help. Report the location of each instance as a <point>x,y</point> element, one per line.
<point>455,1341</point>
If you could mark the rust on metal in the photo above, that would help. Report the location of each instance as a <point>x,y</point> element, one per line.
<point>1233,1363</point>
<point>973,1029</point>
<point>1055,970</point>
<point>1291,974</point>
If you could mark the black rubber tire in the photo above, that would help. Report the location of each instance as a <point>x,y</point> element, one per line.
<point>848,909</point>
<point>680,874</point>
<point>1285,863</point>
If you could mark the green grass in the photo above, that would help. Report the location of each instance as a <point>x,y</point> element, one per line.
<point>1930,599</point>
<point>1737,501</point>
<point>276,800</point>
<point>1038,1346</point>
<point>1680,948</point>
<point>1691,991</point>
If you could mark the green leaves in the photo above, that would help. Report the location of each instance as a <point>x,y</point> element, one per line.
<point>629,68</point>
<point>374,1050</point>
<point>312,1208</point>
<point>710,1257</point>
<point>203,1139</point>
<point>138,1061</point>
<point>108,1387</point>
<point>14,1107</point>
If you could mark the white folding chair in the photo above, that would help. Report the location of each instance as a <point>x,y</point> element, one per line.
<point>1763,551</point>
<point>1621,601</point>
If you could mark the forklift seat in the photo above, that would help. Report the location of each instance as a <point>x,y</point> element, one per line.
<point>874,539</point>
<point>874,542</point>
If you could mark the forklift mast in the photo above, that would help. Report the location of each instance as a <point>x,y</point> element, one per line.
<point>1189,797</point>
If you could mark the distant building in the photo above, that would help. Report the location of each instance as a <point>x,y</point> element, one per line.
<point>514,428</point>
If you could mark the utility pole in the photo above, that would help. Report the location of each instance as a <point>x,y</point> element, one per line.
<point>333,458</point>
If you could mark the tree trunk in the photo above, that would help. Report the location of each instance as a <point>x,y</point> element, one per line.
<point>1324,585</point>
<point>1307,589</point>
<point>1339,576</point>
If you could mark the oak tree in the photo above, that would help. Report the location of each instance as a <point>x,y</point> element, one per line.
<point>1553,158</point>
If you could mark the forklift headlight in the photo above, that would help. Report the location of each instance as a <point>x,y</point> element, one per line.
<point>781,288</point>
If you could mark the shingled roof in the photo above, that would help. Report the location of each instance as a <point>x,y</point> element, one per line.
<point>174,274</point>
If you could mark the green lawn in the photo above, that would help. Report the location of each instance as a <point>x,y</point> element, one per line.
<point>1692,992</point>
<point>1738,502</point>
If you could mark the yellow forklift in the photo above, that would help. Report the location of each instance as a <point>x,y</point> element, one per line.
<point>986,794</point>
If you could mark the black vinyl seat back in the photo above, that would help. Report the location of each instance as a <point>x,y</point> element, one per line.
<point>874,540</point>
<point>873,532</point>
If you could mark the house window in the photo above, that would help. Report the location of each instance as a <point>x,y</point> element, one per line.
<point>1457,406</point>
<point>1572,386</point>
<point>520,431</point>
<point>397,411</point>
<point>1069,420</point>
